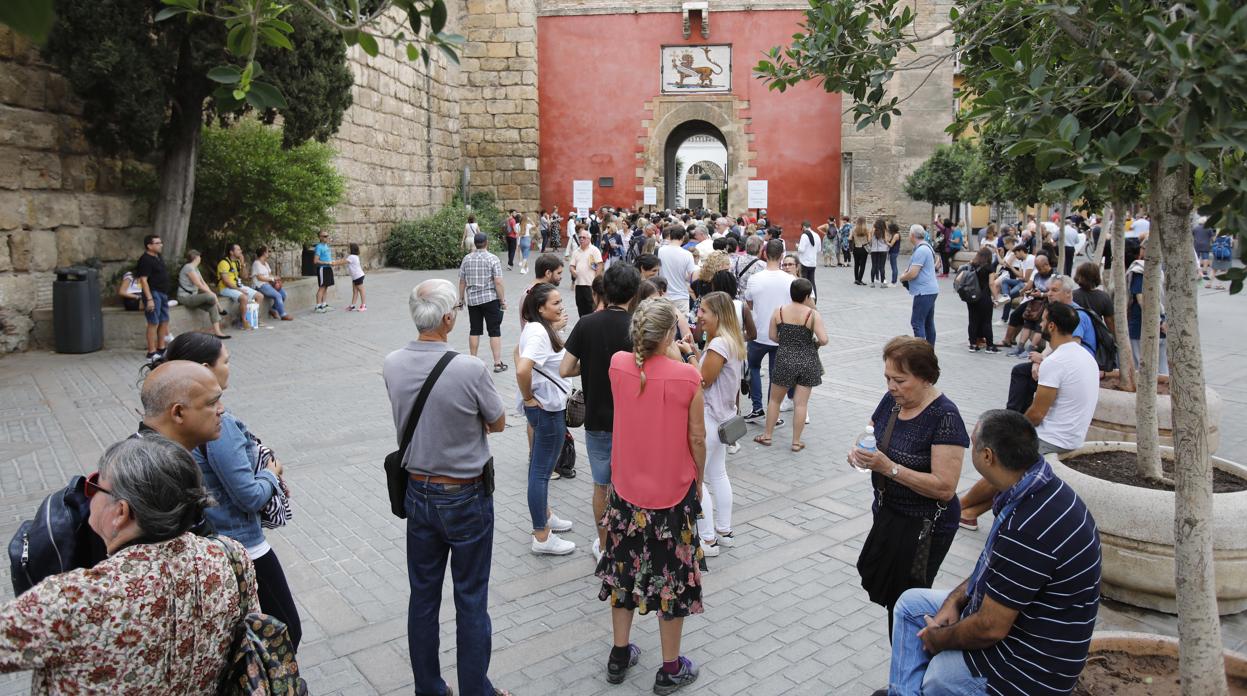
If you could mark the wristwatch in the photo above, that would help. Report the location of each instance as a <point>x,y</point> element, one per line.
<point>896,470</point>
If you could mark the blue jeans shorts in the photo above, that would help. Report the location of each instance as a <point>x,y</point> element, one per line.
<point>598,442</point>
<point>159,315</point>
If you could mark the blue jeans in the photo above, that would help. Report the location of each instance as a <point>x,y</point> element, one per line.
<point>893,253</point>
<point>914,671</point>
<point>922,317</point>
<point>756,351</point>
<point>160,313</point>
<point>1010,287</point>
<point>599,443</point>
<point>454,521</point>
<point>549,428</point>
<point>277,296</point>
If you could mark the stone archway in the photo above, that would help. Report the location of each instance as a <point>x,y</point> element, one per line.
<point>704,182</point>
<point>669,116</point>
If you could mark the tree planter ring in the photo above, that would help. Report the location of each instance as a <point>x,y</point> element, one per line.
<point>1146,644</point>
<point>1114,418</point>
<point>1136,535</point>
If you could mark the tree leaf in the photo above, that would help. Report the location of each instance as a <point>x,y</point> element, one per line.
<point>30,18</point>
<point>1037,76</point>
<point>369,44</point>
<point>413,18</point>
<point>1059,184</point>
<point>268,95</point>
<point>168,12</point>
<point>225,74</point>
<point>450,53</point>
<point>275,38</point>
<point>437,16</point>
<point>412,52</point>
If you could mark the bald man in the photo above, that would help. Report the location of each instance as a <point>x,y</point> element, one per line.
<point>182,401</point>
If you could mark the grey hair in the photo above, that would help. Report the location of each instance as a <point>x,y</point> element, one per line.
<point>701,229</point>
<point>430,301</point>
<point>160,481</point>
<point>917,231</point>
<point>753,245</point>
<point>1066,282</point>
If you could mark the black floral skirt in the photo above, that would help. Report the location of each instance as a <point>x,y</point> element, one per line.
<point>650,562</point>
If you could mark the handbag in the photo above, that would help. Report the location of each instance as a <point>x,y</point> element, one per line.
<point>276,512</point>
<point>261,657</point>
<point>396,476</point>
<point>744,380</point>
<point>574,410</point>
<point>565,465</point>
<point>1033,309</point>
<point>732,430</point>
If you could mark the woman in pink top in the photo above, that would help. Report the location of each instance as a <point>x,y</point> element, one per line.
<point>650,561</point>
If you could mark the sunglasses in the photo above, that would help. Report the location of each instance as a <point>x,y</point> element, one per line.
<point>93,486</point>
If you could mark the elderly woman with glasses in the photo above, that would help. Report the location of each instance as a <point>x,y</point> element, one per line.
<point>157,615</point>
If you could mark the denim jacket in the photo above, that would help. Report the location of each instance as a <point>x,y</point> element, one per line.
<point>229,474</point>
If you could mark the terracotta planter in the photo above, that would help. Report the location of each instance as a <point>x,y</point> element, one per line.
<point>1114,418</point>
<point>1136,535</point>
<point>1143,644</point>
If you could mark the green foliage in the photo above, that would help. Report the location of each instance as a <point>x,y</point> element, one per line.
<point>436,241</point>
<point>251,190</point>
<point>31,18</point>
<point>940,180</point>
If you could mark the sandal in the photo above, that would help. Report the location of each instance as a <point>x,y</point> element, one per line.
<point>762,440</point>
<point>798,446</point>
<point>500,367</point>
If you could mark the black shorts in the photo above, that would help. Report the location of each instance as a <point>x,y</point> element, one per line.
<point>357,281</point>
<point>489,314</point>
<point>324,276</point>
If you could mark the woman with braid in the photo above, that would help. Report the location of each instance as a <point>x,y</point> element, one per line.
<point>650,561</point>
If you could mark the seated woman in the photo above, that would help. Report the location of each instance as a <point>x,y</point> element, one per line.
<point>269,285</point>
<point>130,292</point>
<point>194,293</point>
<point>158,615</point>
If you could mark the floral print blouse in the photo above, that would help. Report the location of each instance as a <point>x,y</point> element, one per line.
<point>152,618</point>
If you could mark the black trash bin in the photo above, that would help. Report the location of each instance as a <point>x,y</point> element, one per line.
<point>309,267</point>
<point>77,322</point>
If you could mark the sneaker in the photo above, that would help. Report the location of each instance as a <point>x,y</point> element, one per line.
<point>968,524</point>
<point>779,422</point>
<point>733,448</point>
<point>992,349</point>
<point>558,524</point>
<point>974,349</point>
<point>597,553</point>
<point>885,285</point>
<point>362,308</point>
<point>350,308</point>
<point>1002,300</point>
<point>555,475</point>
<point>872,283</point>
<point>755,416</point>
<point>668,683</point>
<point>726,541</point>
<point>785,405</point>
<point>552,546</point>
<point>328,306</point>
<point>321,309</point>
<point>709,549</point>
<point>617,671</point>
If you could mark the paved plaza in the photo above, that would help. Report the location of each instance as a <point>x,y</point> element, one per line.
<point>785,613</point>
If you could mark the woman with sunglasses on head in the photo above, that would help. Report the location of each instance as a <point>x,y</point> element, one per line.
<point>240,486</point>
<point>156,616</point>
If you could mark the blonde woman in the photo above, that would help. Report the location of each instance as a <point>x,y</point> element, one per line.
<point>650,562</point>
<point>525,241</point>
<point>861,244</point>
<point>720,379</point>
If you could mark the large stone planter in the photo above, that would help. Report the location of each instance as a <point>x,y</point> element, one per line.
<point>1114,418</point>
<point>1144,644</point>
<point>1136,535</point>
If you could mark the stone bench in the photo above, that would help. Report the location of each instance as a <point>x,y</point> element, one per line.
<point>128,329</point>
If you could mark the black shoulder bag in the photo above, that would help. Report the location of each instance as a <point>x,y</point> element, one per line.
<point>895,555</point>
<point>396,476</point>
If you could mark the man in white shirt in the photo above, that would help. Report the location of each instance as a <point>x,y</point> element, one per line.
<point>1140,229</point>
<point>807,253</point>
<point>585,264</point>
<point>768,291</point>
<point>705,243</point>
<point>1069,385</point>
<point>677,266</point>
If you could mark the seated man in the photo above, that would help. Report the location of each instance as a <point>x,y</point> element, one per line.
<point>1021,623</point>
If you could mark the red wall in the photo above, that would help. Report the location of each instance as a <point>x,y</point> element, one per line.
<point>596,73</point>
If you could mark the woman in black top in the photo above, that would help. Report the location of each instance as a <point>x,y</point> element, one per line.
<point>1090,296</point>
<point>914,473</point>
<point>980,328</point>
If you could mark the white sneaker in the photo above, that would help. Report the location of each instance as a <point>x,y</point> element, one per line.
<point>786,404</point>
<point>709,549</point>
<point>558,525</point>
<point>733,448</point>
<point>807,417</point>
<point>726,541</point>
<point>553,546</point>
<point>886,285</point>
<point>597,550</point>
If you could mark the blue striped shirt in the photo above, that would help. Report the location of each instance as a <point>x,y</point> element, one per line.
<point>1046,565</point>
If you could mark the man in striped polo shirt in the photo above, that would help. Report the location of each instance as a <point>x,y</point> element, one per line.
<point>1021,623</point>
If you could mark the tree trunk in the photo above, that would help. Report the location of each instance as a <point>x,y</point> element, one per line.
<point>1201,665</point>
<point>1098,259</point>
<point>1125,355</point>
<point>1146,424</point>
<point>172,216</point>
<point>1060,239</point>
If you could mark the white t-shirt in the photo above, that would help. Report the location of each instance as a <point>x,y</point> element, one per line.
<point>585,262</point>
<point>354,266</point>
<point>1070,237</point>
<point>677,268</point>
<point>768,291</point>
<point>259,268</point>
<point>720,397</point>
<point>535,345</point>
<point>1022,267</point>
<point>1072,371</point>
<point>704,248</point>
<point>807,248</point>
<point>1138,229</point>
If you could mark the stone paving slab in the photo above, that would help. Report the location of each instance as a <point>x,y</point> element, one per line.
<point>785,613</point>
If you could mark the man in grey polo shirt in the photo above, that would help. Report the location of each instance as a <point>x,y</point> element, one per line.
<point>449,511</point>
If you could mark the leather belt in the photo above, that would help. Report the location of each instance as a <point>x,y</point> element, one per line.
<point>446,480</point>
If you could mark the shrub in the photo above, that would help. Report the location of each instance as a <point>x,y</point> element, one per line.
<point>251,190</point>
<point>435,242</point>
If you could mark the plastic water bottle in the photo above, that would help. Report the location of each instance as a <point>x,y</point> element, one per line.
<point>866,441</point>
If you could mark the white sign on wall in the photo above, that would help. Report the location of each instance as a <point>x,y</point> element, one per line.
<point>582,193</point>
<point>651,195</point>
<point>696,69</point>
<point>757,193</point>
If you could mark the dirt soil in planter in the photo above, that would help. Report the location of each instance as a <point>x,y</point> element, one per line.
<point>1112,381</point>
<point>1119,467</point>
<point>1113,673</point>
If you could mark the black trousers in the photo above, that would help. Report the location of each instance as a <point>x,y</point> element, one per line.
<point>807,272</point>
<point>878,266</point>
<point>946,257</point>
<point>1069,260</point>
<point>859,263</point>
<point>1022,388</point>
<point>584,300</point>
<point>274,592</point>
<point>980,326</point>
<point>511,242</point>
<point>844,255</point>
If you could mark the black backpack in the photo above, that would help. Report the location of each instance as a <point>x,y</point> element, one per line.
<point>966,283</point>
<point>57,540</point>
<point>1105,342</point>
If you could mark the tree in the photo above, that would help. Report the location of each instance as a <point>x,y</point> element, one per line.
<point>940,180</point>
<point>1061,71</point>
<point>148,88</point>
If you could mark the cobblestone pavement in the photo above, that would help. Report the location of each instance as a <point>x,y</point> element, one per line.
<point>784,610</point>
